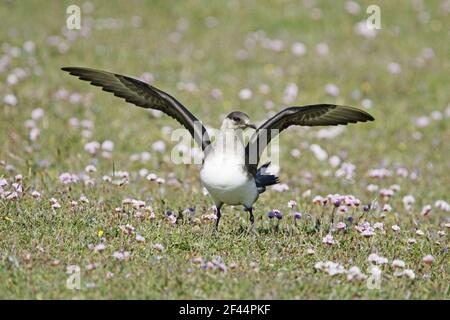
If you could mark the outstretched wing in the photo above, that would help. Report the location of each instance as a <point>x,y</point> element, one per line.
<point>145,96</point>
<point>312,115</point>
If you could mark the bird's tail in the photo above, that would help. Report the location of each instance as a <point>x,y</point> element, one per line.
<point>263,180</point>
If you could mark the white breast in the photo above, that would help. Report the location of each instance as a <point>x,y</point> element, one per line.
<point>227,181</point>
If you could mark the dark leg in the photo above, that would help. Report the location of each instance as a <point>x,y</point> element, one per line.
<point>251,218</point>
<point>218,207</point>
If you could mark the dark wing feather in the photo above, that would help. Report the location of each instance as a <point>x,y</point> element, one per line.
<point>145,96</point>
<point>312,115</point>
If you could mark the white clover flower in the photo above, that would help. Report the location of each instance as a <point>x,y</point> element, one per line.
<point>37,114</point>
<point>409,273</point>
<point>355,273</point>
<point>159,247</point>
<point>140,238</point>
<point>352,7</point>
<point>378,225</point>
<point>107,145</point>
<point>319,153</point>
<point>92,147</point>
<point>245,94</point>
<point>100,247</point>
<point>420,232</point>
<point>362,30</point>
<point>10,99</point>
<point>298,49</point>
<point>332,90</point>
<point>290,93</point>
<point>159,146</point>
<point>397,263</point>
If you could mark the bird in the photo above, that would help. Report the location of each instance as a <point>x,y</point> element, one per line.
<point>229,171</point>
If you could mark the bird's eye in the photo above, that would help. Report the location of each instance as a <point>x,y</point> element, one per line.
<point>236,119</point>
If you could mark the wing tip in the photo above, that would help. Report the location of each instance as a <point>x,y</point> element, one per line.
<point>367,116</point>
<point>69,69</point>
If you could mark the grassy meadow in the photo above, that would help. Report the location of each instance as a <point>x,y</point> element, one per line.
<point>87,182</point>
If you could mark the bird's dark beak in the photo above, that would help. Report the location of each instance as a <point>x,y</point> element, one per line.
<point>250,125</point>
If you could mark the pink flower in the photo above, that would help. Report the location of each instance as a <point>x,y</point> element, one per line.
<point>426,210</point>
<point>37,114</point>
<point>408,201</point>
<point>84,199</point>
<point>367,232</point>
<point>341,226</point>
<point>428,259</point>
<point>92,147</point>
<point>281,187</point>
<point>386,193</point>
<point>395,228</point>
<point>100,247</point>
<point>172,219</point>
<point>3,182</point>
<point>378,225</point>
<point>317,200</point>
<point>443,205</point>
<point>90,168</point>
<point>121,255</point>
<point>332,90</point>
<point>68,178</point>
<point>380,173</point>
<point>56,205</point>
<point>292,204</point>
<point>298,49</point>
<point>329,240</point>
<point>10,99</point>
<point>159,247</point>
<point>140,238</point>
<point>35,194</point>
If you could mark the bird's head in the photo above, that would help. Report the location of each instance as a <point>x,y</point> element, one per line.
<point>238,120</point>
